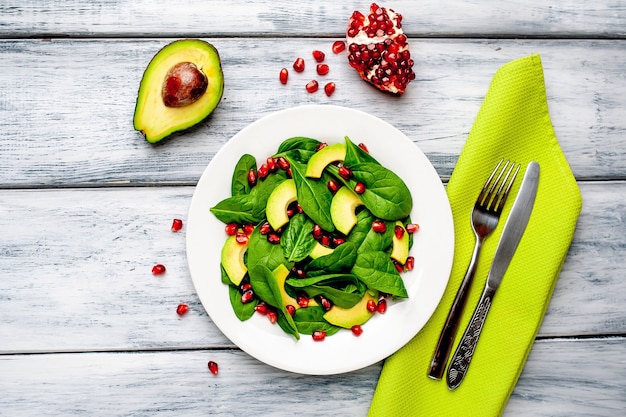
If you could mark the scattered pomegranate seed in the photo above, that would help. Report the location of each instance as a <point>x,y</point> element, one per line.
<point>252,177</point>
<point>265,228</point>
<point>271,164</point>
<point>312,86</point>
<point>333,186</point>
<point>245,286</point>
<point>326,303</point>
<point>158,269</point>
<point>322,69</point>
<point>283,76</point>
<point>345,172</point>
<point>282,163</point>
<point>177,224</point>
<point>321,146</point>
<point>317,231</point>
<point>303,300</point>
<point>412,227</point>
<point>399,268</point>
<point>272,316</point>
<point>325,240</point>
<point>241,237</point>
<point>248,228</point>
<point>319,335</point>
<point>398,231</point>
<point>338,241</point>
<point>318,55</point>
<point>273,238</point>
<point>379,226</point>
<point>371,306</point>
<point>359,188</point>
<point>263,171</point>
<point>357,330</point>
<point>382,306</point>
<point>290,309</point>
<point>182,309</point>
<point>261,308</point>
<point>410,263</point>
<point>298,65</point>
<point>231,229</point>
<point>213,367</point>
<point>362,146</point>
<point>300,273</point>
<point>247,296</point>
<point>329,89</point>
<point>338,46</point>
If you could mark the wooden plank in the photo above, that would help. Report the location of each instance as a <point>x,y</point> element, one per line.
<point>77,275</point>
<point>572,18</point>
<point>79,132</point>
<point>573,378</point>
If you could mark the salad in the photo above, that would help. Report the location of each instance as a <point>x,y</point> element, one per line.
<point>317,237</point>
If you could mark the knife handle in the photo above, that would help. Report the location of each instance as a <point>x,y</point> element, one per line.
<point>465,351</point>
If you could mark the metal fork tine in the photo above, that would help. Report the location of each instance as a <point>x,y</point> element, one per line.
<point>483,197</point>
<point>504,195</point>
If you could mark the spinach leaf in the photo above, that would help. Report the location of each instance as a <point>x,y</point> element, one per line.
<point>297,240</point>
<point>242,311</point>
<point>313,196</point>
<point>262,252</point>
<point>364,220</point>
<point>239,209</point>
<point>311,319</point>
<point>261,192</point>
<point>375,241</point>
<point>377,271</point>
<point>298,142</point>
<point>354,154</point>
<point>344,290</point>
<point>341,258</point>
<point>240,183</point>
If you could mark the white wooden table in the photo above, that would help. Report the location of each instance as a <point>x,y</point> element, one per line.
<point>86,204</point>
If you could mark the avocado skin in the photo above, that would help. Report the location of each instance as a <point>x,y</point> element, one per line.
<point>152,117</point>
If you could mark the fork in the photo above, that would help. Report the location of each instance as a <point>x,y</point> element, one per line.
<point>484,220</point>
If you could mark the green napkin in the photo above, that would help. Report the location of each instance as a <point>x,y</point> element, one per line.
<point>513,123</point>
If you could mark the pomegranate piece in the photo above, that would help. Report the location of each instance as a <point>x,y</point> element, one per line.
<point>357,330</point>
<point>338,47</point>
<point>319,335</point>
<point>283,76</point>
<point>312,86</point>
<point>252,177</point>
<point>382,306</point>
<point>371,306</point>
<point>184,84</point>
<point>318,56</point>
<point>322,69</point>
<point>247,296</point>
<point>158,269</point>
<point>329,89</point>
<point>213,367</point>
<point>398,231</point>
<point>410,263</point>
<point>177,224</point>
<point>378,49</point>
<point>241,237</point>
<point>182,309</point>
<point>412,227</point>
<point>379,226</point>
<point>345,172</point>
<point>298,65</point>
<point>359,188</point>
<point>231,229</point>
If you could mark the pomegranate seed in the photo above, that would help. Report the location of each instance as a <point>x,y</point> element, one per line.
<point>271,164</point>
<point>177,224</point>
<point>263,171</point>
<point>329,89</point>
<point>317,231</point>
<point>371,306</point>
<point>338,46</point>
<point>248,228</point>
<point>252,177</point>
<point>345,172</point>
<point>326,303</point>
<point>379,226</point>
<point>272,316</point>
<point>303,300</point>
<point>410,263</point>
<point>357,330</point>
<point>399,267</point>
<point>399,231</point>
<point>362,146</point>
<point>158,269</point>
<point>318,55</point>
<point>338,241</point>
<point>265,228</point>
<point>300,273</point>
<point>231,229</point>
<point>312,86</point>
<point>247,296</point>
<point>282,163</point>
<point>322,69</point>
<point>333,186</point>
<point>412,227</point>
<point>290,309</point>
<point>182,309</point>
<point>213,367</point>
<point>325,240</point>
<point>382,306</point>
<point>245,287</point>
<point>319,335</point>
<point>284,74</point>
<point>298,65</point>
<point>273,238</point>
<point>241,237</point>
<point>261,308</point>
<point>359,188</point>
<point>321,146</point>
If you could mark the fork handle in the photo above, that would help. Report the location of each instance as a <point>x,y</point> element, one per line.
<point>450,328</point>
<point>465,351</point>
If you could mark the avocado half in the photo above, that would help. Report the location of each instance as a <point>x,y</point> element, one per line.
<point>156,120</point>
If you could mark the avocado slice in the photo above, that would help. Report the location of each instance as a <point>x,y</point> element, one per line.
<point>400,247</point>
<point>278,201</point>
<point>348,317</point>
<point>281,272</point>
<point>232,259</point>
<point>342,209</point>
<point>320,250</point>
<point>320,159</point>
<point>181,86</point>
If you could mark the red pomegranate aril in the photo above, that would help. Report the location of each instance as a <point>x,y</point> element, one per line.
<point>261,308</point>
<point>345,172</point>
<point>338,241</point>
<point>265,228</point>
<point>333,186</point>
<point>379,226</point>
<point>158,269</point>
<point>399,267</point>
<point>263,171</point>
<point>177,224</point>
<point>312,86</point>
<point>382,306</point>
<point>231,229</point>
<point>272,316</point>
<point>325,240</point>
<point>182,309</point>
<point>300,273</point>
<point>248,228</point>
<point>359,188</point>
<point>317,232</point>
<point>410,263</point>
<point>283,76</point>
<point>338,47</point>
<point>241,237</point>
<point>398,231</point>
<point>318,56</point>
<point>302,300</point>
<point>412,227</point>
<point>321,146</point>
<point>252,178</point>
<point>298,65</point>
<point>213,367</point>
<point>322,69</point>
<point>330,88</point>
<point>371,306</point>
<point>362,146</point>
<point>318,335</point>
<point>273,238</point>
<point>282,163</point>
<point>245,287</point>
<point>325,303</point>
<point>247,296</point>
<point>271,164</point>
<point>290,309</point>
<point>357,330</point>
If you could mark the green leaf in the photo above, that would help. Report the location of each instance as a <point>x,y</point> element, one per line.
<point>344,290</point>
<point>311,319</point>
<point>297,240</point>
<point>262,252</point>
<point>240,183</point>
<point>242,311</point>
<point>313,196</point>
<point>377,271</point>
<point>298,142</point>
<point>354,154</point>
<point>375,241</point>
<point>341,258</point>
<point>238,209</point>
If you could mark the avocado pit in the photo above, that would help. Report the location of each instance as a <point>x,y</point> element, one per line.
<point>183,85</point>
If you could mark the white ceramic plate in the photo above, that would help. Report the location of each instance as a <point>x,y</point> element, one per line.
<point>433,245</point>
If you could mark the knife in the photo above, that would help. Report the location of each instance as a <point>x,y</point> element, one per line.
<point>511,235</point>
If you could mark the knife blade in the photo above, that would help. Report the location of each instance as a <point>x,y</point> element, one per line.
<point>511,235</point>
